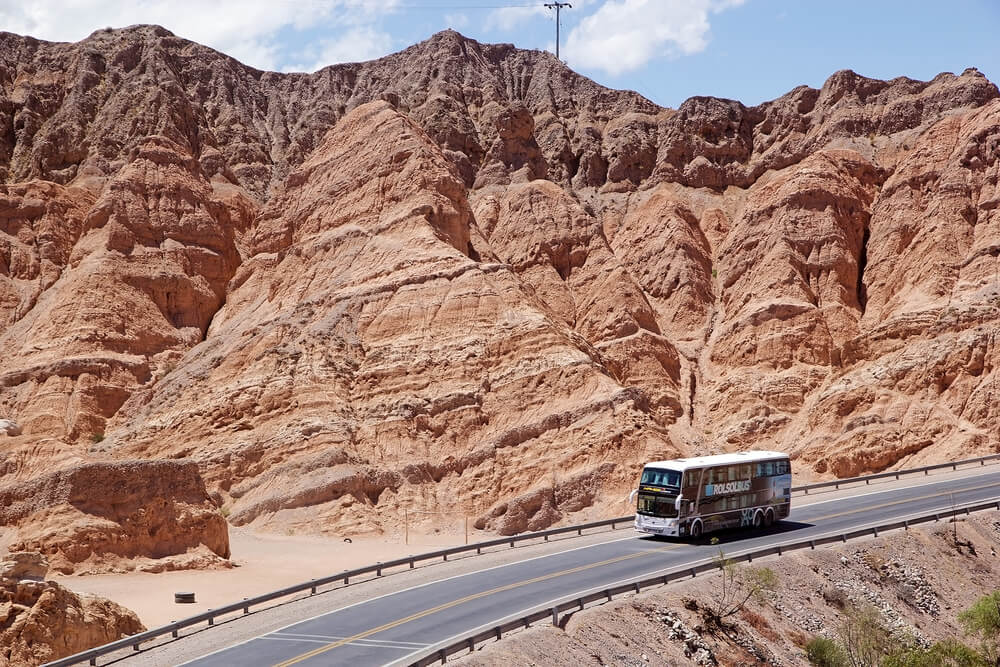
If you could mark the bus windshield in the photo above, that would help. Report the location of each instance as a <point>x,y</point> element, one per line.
<point>660,477</point>
<point>654,504</point>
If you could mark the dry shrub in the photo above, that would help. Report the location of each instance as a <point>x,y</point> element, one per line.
<point>834,597</point>
<point>759,623</point>
<point>798,638</point>
<point>874,560</point>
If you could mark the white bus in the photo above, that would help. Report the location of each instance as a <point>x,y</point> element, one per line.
<point>695,496</point>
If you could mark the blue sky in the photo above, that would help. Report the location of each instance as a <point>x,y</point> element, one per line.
<point>668,50</point>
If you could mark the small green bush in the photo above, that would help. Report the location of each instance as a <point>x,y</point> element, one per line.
<point>825,653</point>
<point>97,437</point>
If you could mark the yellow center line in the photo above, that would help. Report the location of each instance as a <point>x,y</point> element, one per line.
<point>901,502</point>
<point>581,568</point>
<point>474,596</point>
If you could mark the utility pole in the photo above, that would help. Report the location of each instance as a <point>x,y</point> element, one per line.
<point>558,7</point>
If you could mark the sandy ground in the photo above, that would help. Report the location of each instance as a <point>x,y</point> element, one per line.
<point>263,562</point>
<point>266,561</point>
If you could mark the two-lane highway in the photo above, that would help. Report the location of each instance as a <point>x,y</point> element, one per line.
<point>385,629</point>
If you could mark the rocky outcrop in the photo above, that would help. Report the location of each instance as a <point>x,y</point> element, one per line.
<point>41,621</point>
<point>99,516</point>
<point>463,278</point>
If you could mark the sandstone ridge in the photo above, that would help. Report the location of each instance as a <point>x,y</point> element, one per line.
<point>464,279</point>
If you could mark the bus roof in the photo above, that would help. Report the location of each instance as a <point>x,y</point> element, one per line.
<point>717,460</point>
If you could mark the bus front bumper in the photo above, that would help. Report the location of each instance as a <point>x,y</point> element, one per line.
<point>655,526</point>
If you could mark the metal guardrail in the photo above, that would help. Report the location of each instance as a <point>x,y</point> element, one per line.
<point>867,479</point>
<point>210,616</point>
<point>243,606</point>
<point>577,602</point>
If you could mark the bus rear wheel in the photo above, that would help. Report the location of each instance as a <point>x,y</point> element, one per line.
<point>768,518</point>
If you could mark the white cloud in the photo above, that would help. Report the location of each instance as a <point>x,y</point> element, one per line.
<point>509,18</point>
<point>456,20</point>
<point>624,35</point>
<point>354,45</point>
<point>246,29</point>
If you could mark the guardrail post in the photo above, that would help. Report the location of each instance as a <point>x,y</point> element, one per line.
<point>347,579</point>
<point>954,466</point>
<point>499,633</point>
<point>779,549</point>
<point>312,590</point>
<point>875,531</point>
<point>512,544</point>
<point>555,617</point>
<point>546,538</point>
<point>378,569</point>
<point>613,523</point>
<point>93,661</point>
<point>211,620</point>
<point>637,589</point>
<point>926,472</point>
<point>479,550</point>
<point>843,537</point>
<point>135,647</point>
<point>443,655</point>
<point>693,573</point>
<point>472,645</point>
<point>579,531</point>
<point>445,556</point>
<point>173,633</point>
<point>906,524</point>
<point>411,560</point>
<point>812,544</point>
<point>246,608</point>
<point>608,594</point>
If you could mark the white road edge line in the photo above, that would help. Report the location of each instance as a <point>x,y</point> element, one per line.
<point>527,560</point>
<point>324,643</point>
<point>402,662</point>
<point>403,590</point>
<point>895,488</point>
<point>332,638</point>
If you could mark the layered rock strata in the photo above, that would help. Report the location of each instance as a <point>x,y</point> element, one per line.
<point>464,279</point>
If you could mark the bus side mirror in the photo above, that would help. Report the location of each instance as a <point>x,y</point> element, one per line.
<point>631,496</point>
<point>677,503</point>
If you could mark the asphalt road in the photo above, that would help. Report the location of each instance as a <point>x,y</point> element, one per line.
<point>386,629</point>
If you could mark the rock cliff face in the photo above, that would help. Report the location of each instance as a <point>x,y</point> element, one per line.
<point>41,621</point>
<point>462,278</point>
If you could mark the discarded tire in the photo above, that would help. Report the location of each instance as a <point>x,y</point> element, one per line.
<point>184,597</point>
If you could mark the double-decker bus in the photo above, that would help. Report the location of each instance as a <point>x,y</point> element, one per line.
<point>694,496</point>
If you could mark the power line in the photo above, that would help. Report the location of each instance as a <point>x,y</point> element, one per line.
<point>558,7</point>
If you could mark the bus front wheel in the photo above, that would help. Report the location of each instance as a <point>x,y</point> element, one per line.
<point>696,530</point>
<point>758,520</point>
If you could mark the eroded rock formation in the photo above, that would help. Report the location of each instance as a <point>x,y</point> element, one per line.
<point>463,278</point>
<point>41,621</point>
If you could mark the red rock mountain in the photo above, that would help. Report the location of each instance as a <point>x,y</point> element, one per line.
<point>464,278</point>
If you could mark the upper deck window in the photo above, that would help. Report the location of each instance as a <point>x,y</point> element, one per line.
<point>660,477</point>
